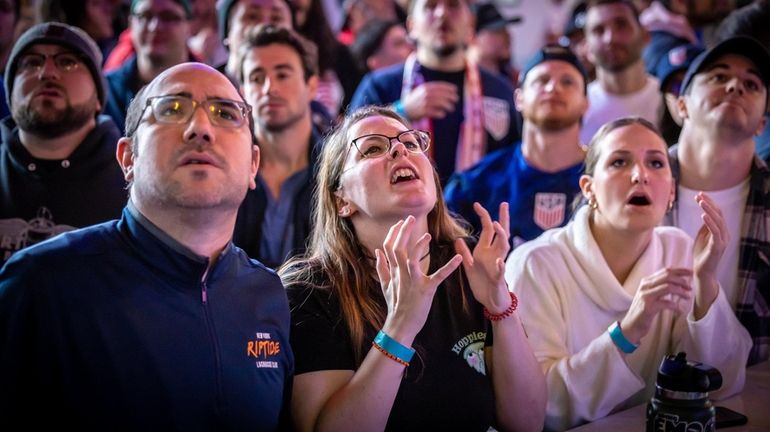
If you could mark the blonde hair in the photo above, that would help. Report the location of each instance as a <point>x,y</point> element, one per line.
<point>345,266</point>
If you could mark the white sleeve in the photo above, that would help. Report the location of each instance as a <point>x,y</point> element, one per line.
<point>720,340</point>
<point>582,386</point>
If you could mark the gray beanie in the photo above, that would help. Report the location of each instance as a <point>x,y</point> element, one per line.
<point>58,34</point>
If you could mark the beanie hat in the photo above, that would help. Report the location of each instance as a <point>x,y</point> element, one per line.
<point>58,34</point>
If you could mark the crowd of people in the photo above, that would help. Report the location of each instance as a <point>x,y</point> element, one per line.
<point>376,225</point>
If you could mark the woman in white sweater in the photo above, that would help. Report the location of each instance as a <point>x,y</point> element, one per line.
<point>611,293</point>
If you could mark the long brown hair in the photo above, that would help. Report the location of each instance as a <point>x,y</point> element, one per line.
<point>334,250</point>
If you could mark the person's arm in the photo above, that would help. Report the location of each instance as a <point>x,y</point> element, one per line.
<point>518,383</point>
<point>583,385</point>
<point>334,400</point>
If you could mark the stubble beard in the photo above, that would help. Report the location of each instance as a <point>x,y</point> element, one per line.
<point>48,122</point>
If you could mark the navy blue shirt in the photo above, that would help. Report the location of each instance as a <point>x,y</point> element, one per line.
<point>113,327</point>
<point>383,87</point>
<point>538,200</point>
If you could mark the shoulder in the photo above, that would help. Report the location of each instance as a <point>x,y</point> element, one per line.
<point>491,165</point>
<point>494,83</point>
<point>673,237</point>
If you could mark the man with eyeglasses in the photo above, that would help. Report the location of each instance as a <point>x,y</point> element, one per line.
<point>155,321</point>
<point>278,77</point>
<point>57,166</point>
<point>723,104</point>
<point>159,33</point>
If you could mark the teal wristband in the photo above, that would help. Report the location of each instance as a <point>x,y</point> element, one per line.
<point>393,347</point>
<point>398,107</point>
<point>617,336</point>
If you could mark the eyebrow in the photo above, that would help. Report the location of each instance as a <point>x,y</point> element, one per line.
<point>189,95</point>
<point>725,66</point>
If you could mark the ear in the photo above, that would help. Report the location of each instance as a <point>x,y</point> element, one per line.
<point>517,99</point>
<point>672,195</point>
<point>681,108</point>
<point>312,86</point>
<point>345,209</point>
<point>410,28</point>
<point>586,183</point>
<point>254,166</point>
<point>125,156</point>
<point>372,63</point>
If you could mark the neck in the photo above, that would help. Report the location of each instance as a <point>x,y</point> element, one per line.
<point>621,250</point>
<point>630,80</point>
<point>205,232</point>
<point>231,68</point>
<point>287,147</point>
<point>552,151</point>
<point>708,162</point>
<point>60,147</point>
<point>149,69</point>
<point>451,63</point>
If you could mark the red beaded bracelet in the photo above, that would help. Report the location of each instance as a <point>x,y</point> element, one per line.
<point>504,314</point>
<point>389,355</point>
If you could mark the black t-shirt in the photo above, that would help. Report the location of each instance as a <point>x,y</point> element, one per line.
<point>445,386</point>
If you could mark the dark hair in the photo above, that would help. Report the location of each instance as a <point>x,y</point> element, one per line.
<point>269,34</point>
<point>316,28</point>
<point>369,40</point>
<point>592,157</point>
<point>594,3</point>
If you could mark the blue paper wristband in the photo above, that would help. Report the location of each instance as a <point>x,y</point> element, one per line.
<point>393,347</point>
<point>617,336</point>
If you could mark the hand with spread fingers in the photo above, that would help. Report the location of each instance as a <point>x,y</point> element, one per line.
<point>710,244</point>
<point>485,266</point>
<point>408,290</point>
<point>666,289</point>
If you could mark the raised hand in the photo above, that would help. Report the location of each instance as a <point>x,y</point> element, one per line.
<point>710,244</point>
<point>431,99</point>
<point>408,290</point>
<point>485,267</point>
<point>666,289</point>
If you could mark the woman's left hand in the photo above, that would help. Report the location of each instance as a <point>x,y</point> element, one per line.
<point>485,267</point>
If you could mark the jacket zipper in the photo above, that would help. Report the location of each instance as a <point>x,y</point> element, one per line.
<point>215,345</point>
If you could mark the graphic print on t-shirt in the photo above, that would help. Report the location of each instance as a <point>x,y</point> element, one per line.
<point>17,233</point>
<point>471,347</point>
<point>264,349</point>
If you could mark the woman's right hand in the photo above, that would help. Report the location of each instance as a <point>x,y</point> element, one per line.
<point>408,290</point>
<point>668,288</point>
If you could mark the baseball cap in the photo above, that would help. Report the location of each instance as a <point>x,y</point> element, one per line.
<point>740,45</point>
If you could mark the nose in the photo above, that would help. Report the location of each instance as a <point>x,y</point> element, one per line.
<point>199,128</point>
<point>550,85</point>
<point>49,69</point>
<point>396,148</point>
<point>735,84</point>
<point>153,23</point>
<point>639,175</point>
<point>267,85</point>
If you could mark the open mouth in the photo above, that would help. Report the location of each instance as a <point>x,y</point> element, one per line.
<point>639,200</point>
<point>403,175</point>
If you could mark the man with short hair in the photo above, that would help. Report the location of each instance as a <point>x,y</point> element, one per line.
<point>159,33</point>
<point>279,78</point>
<point>155,321</point>
<point>622,87</point>
<point>491,46</point>
<point>57,165</point>
<point>723,106</point>
<point>468,110</point>
<point>539,178</point>
<point>236,18</point>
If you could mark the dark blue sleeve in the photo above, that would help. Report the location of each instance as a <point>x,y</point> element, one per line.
<point>366,94</point>
<point>459,198</point>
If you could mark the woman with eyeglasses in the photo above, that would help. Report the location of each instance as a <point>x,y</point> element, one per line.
<point>610,294</point>
<point>393,314</point>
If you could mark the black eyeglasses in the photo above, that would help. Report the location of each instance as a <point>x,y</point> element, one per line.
<point>35,62</point>
<point>373,146</point>
<point>179,109</point>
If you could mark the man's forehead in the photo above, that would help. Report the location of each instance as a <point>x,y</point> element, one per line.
<point>272,54</point>
<point>272,4</point>
<point>197,80</point>
<point>45,48</point>
<point>145,5</point>
<point>609,11</point>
